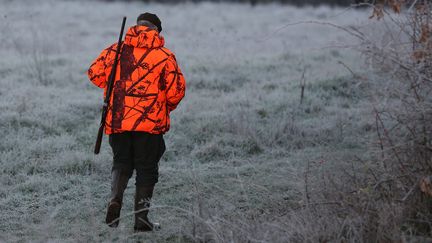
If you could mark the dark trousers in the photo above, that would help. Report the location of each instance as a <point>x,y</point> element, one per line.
<point>139,151</point>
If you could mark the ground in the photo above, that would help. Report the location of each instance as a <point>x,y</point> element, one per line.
<point>239,143</point>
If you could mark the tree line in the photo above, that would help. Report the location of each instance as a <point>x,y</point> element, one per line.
<point>255,2</point>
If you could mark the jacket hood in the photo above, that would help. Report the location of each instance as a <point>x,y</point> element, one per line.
<point>143,37</point>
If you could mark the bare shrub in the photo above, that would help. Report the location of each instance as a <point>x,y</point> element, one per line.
<point>35,56</point>
<point>379,199</point>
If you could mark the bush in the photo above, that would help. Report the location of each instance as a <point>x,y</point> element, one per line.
<point>387,197</point>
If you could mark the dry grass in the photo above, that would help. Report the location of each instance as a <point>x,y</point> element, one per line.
<point>246,162</point>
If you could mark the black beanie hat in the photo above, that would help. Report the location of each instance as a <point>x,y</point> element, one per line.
<point>153,18</point>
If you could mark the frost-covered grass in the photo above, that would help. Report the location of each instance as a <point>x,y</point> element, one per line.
<point>239,142</point>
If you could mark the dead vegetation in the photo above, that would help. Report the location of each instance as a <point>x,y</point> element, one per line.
<point>386,198</point>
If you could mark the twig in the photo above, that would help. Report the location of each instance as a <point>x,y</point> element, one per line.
<point>412,5</point>
<point>350,31</point>
<point>378,184</point>
<point>306,183</point>
<point>302,85</point>
<point>410,192</point>
<point>381,142</point>
<point>349,69</point>
<point>389,139</point>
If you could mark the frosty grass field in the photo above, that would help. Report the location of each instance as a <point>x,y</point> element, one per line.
<point>239,142</point>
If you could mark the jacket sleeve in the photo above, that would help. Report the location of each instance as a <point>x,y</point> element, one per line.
<point>98,70</point>
<point>175,83</point>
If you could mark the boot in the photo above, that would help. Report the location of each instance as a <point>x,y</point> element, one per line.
<point>143,195</point>
<point>118,186</point>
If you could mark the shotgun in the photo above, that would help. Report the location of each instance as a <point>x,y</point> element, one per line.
<point>109,91</point>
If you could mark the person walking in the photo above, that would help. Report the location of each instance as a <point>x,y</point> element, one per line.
<point>148,86</point>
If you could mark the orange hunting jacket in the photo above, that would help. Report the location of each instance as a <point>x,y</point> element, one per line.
<point>148,85</point>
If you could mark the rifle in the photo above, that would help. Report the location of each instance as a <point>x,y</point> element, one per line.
<point>109,91</point>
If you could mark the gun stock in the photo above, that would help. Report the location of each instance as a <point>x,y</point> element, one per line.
<point>99,140</point>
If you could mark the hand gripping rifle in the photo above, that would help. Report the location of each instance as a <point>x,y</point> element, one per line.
<point>109,91</point>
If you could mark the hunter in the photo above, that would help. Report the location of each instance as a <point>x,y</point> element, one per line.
<point>148,87</point>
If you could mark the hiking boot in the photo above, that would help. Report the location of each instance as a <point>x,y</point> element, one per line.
<point>118,186</point>
<point>143,195</point>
